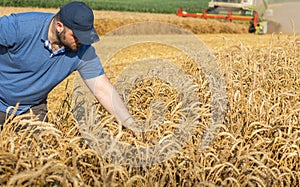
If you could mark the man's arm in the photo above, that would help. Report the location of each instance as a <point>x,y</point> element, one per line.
<point>109,98</point>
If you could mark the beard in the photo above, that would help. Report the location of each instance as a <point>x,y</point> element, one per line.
<point>62,39</point>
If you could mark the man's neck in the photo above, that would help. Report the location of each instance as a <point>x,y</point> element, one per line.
<point>52,37</point>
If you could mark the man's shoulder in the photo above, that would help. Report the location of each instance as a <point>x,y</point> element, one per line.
<point>28,17</point>
<point>86,52</point>
<point>33,23</point>
<point>33,16</point>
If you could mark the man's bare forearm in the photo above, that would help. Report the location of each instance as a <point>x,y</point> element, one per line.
<point>109,98</point>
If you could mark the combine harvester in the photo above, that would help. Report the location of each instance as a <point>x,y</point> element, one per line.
<point>251,11</point>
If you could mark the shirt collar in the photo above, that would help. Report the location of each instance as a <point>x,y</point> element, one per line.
<point>48,46</point>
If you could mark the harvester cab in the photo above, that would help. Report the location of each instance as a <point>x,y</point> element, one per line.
<point>243,8</point>
<point>237,7</point>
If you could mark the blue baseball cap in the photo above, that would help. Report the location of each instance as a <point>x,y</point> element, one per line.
<point>80,19</point>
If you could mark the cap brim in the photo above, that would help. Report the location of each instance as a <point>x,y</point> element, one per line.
<point>87,37</point>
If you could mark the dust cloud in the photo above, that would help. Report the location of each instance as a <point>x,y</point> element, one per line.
<point>283,16</point>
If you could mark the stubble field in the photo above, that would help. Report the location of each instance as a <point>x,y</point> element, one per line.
<point>257,143</point>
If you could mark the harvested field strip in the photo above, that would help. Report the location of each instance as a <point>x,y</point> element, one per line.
<point>106,21</point>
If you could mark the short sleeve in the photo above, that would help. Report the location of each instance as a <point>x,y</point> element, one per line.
<point>90,65</point>
<point>8,31</point>
<point>90,69</point>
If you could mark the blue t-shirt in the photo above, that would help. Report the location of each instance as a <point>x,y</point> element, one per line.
<point>28,71</point>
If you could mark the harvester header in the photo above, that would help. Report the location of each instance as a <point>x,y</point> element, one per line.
<point>251,11</point>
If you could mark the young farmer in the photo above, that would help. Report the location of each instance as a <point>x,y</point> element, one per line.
<point>39,50</point>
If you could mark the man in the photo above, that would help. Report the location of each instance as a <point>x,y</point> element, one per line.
<point>39,50</point>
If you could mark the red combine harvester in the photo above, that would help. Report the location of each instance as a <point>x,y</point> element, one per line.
<point>251,11</point>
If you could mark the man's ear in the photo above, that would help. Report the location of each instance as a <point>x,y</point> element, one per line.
<point>59,26</point>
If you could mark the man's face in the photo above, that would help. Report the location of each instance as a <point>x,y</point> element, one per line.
<point>68,39</point>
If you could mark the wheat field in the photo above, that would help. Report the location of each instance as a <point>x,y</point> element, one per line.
<point>257,143</point>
